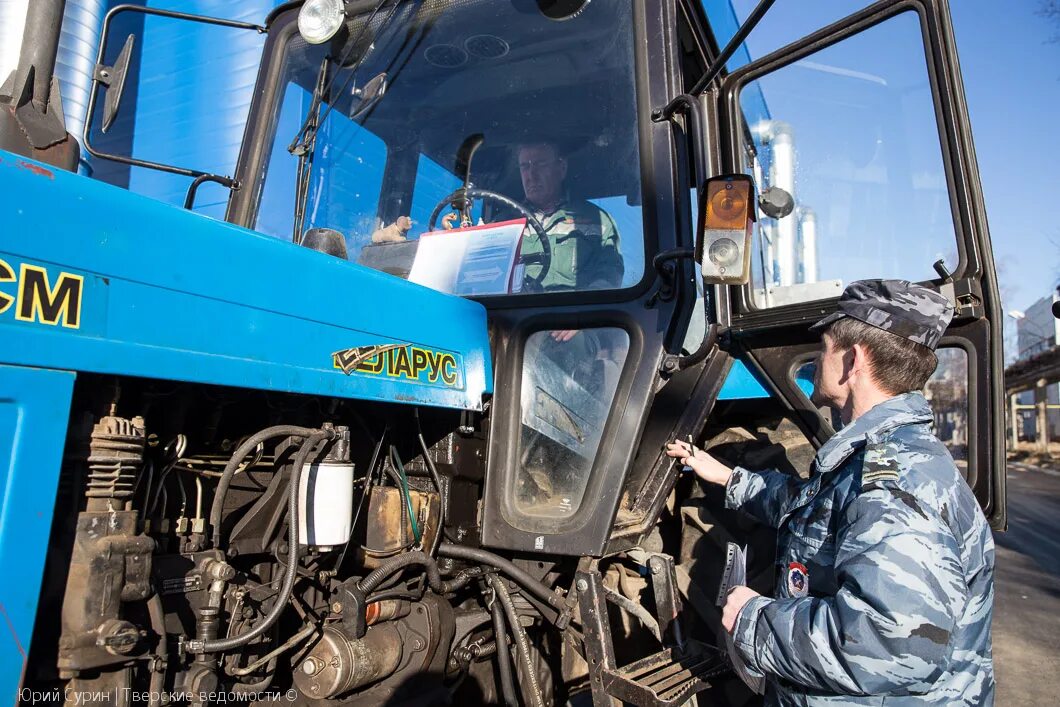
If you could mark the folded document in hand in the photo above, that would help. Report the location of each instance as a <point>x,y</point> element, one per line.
<point>735,576</point>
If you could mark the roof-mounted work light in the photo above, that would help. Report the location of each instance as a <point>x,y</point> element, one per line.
<point>320,20</point>
<point>726,213</point>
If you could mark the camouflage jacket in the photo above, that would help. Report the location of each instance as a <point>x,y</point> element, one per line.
<point>583,239</point>
<point>886,568</point>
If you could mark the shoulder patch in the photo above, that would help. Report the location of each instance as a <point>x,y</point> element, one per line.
<point>880,463</point>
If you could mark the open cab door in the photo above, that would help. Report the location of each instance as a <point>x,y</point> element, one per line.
<point>865,123</point>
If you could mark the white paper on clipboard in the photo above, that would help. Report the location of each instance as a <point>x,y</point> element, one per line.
<point>736,575</point>
<point>476,260</point>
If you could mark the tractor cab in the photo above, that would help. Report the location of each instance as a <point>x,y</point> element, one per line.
<point>557,161</point>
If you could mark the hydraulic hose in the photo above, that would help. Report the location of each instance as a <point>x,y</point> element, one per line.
<point>233,464</point>
<point>522,643</point>
<point>314,437</point>
<point>504,657</point>
<point>376,577</point>
<point>520,577</point>
<point>443,497</point>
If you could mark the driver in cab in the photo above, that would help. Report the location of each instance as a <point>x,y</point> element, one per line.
<point>583,237</point>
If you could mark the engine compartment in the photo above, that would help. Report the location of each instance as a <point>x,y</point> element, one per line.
<point>173,570</point>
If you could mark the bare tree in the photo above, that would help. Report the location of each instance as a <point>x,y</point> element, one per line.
<point>1050,10</point>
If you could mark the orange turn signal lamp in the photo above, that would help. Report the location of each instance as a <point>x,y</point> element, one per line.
<point>727,212</point>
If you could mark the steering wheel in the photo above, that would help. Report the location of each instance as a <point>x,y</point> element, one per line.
<point>544,258</point>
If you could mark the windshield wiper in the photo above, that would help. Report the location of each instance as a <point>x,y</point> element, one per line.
<point>303,150</point>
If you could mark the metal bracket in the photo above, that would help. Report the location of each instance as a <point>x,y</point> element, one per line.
<point>667,272</point>
<point>966,296</point>
<point>667,600</point>
<point>599,650</point>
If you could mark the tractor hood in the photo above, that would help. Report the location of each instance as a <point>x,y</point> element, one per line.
<point>96,279</point>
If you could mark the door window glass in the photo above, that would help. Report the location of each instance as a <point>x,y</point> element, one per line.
<point>568,385</point>
<point>850,132</point>
<point>946,390</point>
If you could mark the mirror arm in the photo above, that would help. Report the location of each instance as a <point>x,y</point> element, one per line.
<point>226,182</point>
<point>686,103</point>
<point>675,363</point>
<point>737,39</point>
<point>98,80</point>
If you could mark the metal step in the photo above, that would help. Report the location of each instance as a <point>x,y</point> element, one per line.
<point>665,679</point>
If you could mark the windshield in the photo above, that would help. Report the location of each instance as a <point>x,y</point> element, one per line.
<point>549,104</point>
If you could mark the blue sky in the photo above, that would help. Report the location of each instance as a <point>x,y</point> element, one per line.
<point>1010,60</point>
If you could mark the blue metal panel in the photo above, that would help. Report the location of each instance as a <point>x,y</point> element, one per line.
<point>741,384</point>
<point>170,294</point>
<point>34,409</point>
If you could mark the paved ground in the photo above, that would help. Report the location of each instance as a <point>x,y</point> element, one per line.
<point>1027,602</point>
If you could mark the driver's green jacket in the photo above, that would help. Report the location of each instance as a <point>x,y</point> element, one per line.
<point>584,245</point>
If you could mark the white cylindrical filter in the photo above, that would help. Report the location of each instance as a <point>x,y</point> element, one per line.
<point>325,504</point>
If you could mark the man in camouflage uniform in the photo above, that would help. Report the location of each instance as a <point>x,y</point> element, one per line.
<point>583,238</point>
<point>886,561</point>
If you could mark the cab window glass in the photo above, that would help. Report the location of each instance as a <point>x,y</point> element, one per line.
<point>433,183</point>
<point>851,132</point>
<point>541,114</point>
<point>347,173</point>
<point>568,385</point>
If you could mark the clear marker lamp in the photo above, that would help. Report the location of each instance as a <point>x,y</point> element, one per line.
<point>320,20</point>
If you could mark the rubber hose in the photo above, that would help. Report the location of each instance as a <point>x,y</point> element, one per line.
<point>631,607</point>
<point>375,578</point>
<point>291,574</point>
<point>520,577</point>
<point>463,577</point>
<point>237,458</point>
<point>522,643</point>
<point>246,688</point>
<point>157,617</point>
<point>443,498</point>
<point>504,658</point>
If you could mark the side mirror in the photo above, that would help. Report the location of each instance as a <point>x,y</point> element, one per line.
<point>367,96</point>
<point>113,77</point>
<point>776,202</point>
<point>723,245</point>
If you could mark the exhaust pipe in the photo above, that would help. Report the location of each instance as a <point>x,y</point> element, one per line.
<point>31,111</point>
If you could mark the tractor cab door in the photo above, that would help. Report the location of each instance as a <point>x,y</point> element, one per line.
<point>865,123</point>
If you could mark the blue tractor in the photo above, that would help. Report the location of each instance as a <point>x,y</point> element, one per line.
<point>391,431</point>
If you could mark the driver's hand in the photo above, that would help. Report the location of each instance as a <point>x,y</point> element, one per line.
<point>563,335</point>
